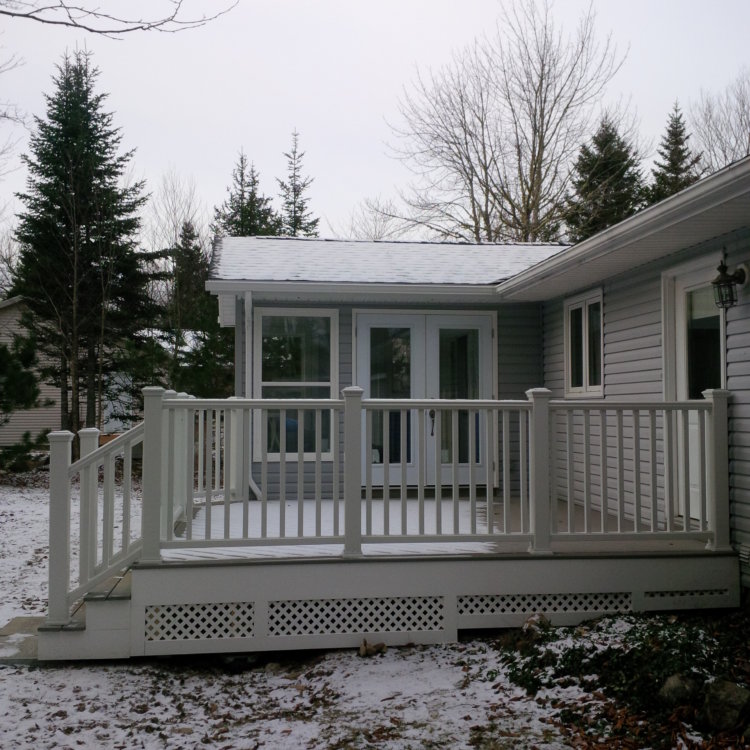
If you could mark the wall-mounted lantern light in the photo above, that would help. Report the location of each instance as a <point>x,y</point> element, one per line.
<point>726,284</point>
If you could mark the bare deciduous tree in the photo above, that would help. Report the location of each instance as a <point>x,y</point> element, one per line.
<point>721,124</point>
<point>375,219</point>
<point>167,16</point>
<point>8,261</point>
<point>491,136</point>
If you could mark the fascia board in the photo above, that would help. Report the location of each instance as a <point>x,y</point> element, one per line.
<point>338,290</point>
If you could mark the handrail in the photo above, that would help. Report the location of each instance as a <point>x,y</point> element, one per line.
<point>608,405</point>
<point>252,403</point>
<point>113,446</point>
<point>444,403</point>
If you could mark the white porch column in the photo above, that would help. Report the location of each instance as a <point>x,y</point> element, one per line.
<point>352,470</point>
<point>717,480</point>
<point>539,470</point>
<point>152,473</point>
<point>59,527</point>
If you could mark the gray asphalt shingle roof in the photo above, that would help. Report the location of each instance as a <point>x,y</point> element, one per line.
<point>352,261</point>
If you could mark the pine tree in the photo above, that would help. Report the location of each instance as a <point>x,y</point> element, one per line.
<point>79,273</point>
<point>677,167</point>
<point>607,184</point>
<point>296,218</point>
<point>201,351</point>
<point>246,211</point>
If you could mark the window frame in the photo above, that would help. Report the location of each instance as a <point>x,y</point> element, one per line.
<point>259,314</point>
<point>583,302</point>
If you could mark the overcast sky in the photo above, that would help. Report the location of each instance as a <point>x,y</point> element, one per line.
<point>334,70</point>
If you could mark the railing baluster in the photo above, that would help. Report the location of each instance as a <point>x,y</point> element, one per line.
<point>454,468</point>
<point>421,468</point>
<point>586,448</point>
<point>263,473</point>
<point>438,472</point>
<point>108,511</point>
<point>473,425</point>
<point>603,471</point>
<point>368,472</point>
<point>652,459</point>
<point>670,470</point>
<point>244,454</point>
<point>282,473</point>
<point>201,450</point>
<point>403,443</point>
<point>506,471</point>
<point>190,470</point>
<point>620,473</point>
<point>300,473</point>
<point>636,470</point>
<point>523,423</point>
<point>702,469</point>
<point>489,458</point>
<point>210,414</point>
<point>217,450</point>
<point>686,469</point>
<point>386,472</point>
<point>318,471</point>
<point>335,492</point>
<point>170,469</point>
<point>127,486</point>
<point>229,472</point>
<point>570,442</point>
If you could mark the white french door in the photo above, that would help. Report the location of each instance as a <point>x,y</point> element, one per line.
<point>424,356</point>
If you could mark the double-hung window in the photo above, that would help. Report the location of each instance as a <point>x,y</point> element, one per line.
<point>583,345</point>
<point>296,357</point>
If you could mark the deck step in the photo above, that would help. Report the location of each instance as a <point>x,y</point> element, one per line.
<point>116,587</point>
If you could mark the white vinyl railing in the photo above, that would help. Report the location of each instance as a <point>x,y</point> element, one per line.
<point>102,532</point>
<point>354,471</point>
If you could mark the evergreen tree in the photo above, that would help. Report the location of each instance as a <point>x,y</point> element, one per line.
<point>83,282</point>
<point>295,216</point>
<point>201,360</point>
<point>607,183</point>
<point>246,211</point>
<point>677,167</point>
<point>18,384</point>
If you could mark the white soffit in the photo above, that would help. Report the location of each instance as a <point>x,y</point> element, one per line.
<point>711,208</point>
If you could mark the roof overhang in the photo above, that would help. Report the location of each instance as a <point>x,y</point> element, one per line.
<point>715,206</point>
<point>352,293</point>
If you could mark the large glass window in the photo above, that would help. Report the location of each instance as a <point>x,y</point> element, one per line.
<point>583,345</point>
<point>296,361</point>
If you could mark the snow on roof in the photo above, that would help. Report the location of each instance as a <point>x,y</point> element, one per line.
<point>353,261</point>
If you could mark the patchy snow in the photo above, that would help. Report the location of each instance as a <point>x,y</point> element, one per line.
<point>448,696</point>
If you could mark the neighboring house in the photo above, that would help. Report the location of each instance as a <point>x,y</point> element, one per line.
<point>36,420</point>
<point>539,428</point>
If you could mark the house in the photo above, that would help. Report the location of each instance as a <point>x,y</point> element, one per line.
<point>430,437</point>
<point>37,420</point>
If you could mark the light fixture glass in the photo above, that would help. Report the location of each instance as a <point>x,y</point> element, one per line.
<point>725,285</point>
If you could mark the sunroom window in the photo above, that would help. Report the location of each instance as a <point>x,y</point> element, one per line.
<point>583,345</point>
<point>296,358</point>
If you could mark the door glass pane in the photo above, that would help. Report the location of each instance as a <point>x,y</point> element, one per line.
<point>459,378</point>
<point>575,364</point>
<point>390,377</point>
<point>595,343</point>
<point>703,342</point>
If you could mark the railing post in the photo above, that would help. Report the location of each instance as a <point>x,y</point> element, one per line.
<point>88,441</point>
<point>718,469</point>
<point>352,471</point>
<point>539,470</point>
<point>59,527</point>
<point>152,473</point>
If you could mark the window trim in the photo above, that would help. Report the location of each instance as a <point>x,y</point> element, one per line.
<point>583,302</point>
<point>259,313</point>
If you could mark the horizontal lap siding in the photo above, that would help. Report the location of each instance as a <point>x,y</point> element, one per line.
<point>632,361</point>
<point>34,421</point>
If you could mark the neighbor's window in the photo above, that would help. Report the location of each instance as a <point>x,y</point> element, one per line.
<point>296,358</point>
<point>583,345</point>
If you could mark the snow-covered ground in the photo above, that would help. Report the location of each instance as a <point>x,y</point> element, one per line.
<point>453,696</point>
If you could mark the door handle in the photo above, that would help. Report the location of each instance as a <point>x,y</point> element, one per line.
<point>432,418</point>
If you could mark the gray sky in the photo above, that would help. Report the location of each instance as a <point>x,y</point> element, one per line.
<point>334,70</point>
